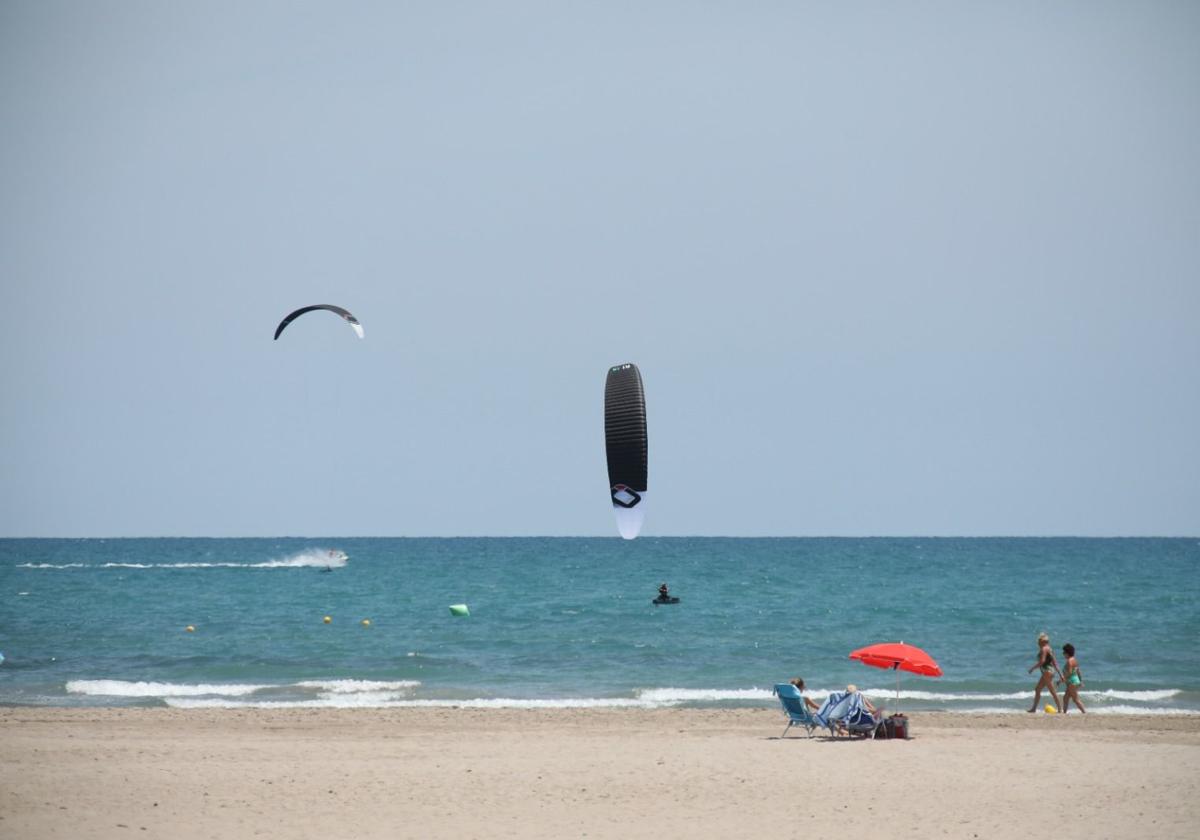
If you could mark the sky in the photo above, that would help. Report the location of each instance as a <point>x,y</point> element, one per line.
<point>886,269</point>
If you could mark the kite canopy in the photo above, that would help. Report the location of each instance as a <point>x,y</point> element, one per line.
<point>345,313</point>
<point>625,442</point>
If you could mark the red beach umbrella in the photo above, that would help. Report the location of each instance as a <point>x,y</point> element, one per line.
<point>899,657</point>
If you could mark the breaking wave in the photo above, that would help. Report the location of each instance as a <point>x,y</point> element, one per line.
<point>355,693</point>
<point>346,701</point>
<point>684,695</point>
<point>122,688</point>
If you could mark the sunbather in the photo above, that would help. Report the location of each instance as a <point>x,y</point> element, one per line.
<point>808,701</point>
<point>867,705</point>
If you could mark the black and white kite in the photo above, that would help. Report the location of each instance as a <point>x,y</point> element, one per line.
<point>345,313</point>
<point>625,442</point>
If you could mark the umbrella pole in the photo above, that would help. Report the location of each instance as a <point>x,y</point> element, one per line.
<point>896,668</point>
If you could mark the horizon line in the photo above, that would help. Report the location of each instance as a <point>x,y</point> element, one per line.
<point>617,537</point>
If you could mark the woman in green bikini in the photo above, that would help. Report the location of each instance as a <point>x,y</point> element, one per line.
<point>1073,677</point>
<point>1049,667</point>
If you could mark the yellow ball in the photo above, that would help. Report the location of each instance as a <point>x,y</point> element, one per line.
<point>1050,710</point>
<point>366,622</point>
<point>327,619</point>
<point>190,629</point>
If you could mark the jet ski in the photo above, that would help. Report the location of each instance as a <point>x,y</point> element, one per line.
<point>670,599</point>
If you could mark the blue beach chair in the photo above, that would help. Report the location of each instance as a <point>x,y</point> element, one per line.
<point>859,721</point>
<point>847,711</point>
<point>832,711</point>
<point>795,708</point>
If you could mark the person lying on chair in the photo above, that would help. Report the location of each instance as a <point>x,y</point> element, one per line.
<point>866,704</point>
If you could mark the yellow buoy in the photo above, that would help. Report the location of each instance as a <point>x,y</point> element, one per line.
<point>327,619</point>
<point>1050,710</point>
<point>190,628</point>
<point>366,622</point>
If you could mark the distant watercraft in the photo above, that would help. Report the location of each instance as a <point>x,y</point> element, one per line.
<point>670,599</point>
<point>335,556</point>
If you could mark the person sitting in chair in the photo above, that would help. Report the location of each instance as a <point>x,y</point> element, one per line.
<point>866,704</point>
<point>808,701</point>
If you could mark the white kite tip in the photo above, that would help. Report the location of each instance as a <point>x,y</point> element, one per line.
<point>629,520</point>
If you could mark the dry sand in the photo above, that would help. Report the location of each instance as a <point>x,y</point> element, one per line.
<point>149,773</point>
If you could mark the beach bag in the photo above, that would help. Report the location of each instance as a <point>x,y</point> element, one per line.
<point>895,726</point>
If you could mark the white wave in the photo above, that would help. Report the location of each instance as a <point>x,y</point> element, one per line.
<point>968,697</point>
<point>561,703</point>
<point>948,697</point>
<point>329,692</point>
<point>387,700</point>
<point>1138,710</point>
<point>51,565</point>
<point>885,694</point>
<point>353,686</point>
<point>122,688</point>
<point>367,700</point>
<point>680,695</point>
<point>1116,694</point>
<point>1100,710</point>
<point>357,699</point>
<point>713,694</point>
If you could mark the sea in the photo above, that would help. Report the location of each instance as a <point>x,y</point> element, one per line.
<point>570,623</point>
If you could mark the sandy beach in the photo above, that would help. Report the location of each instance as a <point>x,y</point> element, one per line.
<point>179,774</point>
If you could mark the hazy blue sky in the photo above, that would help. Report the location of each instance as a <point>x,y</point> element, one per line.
<point>927,268</point>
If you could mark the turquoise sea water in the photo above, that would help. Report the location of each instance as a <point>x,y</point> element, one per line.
<point>569,622</point>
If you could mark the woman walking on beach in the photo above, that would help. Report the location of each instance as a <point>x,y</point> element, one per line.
<point>1049,667</point>
<point>1073,678</point>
